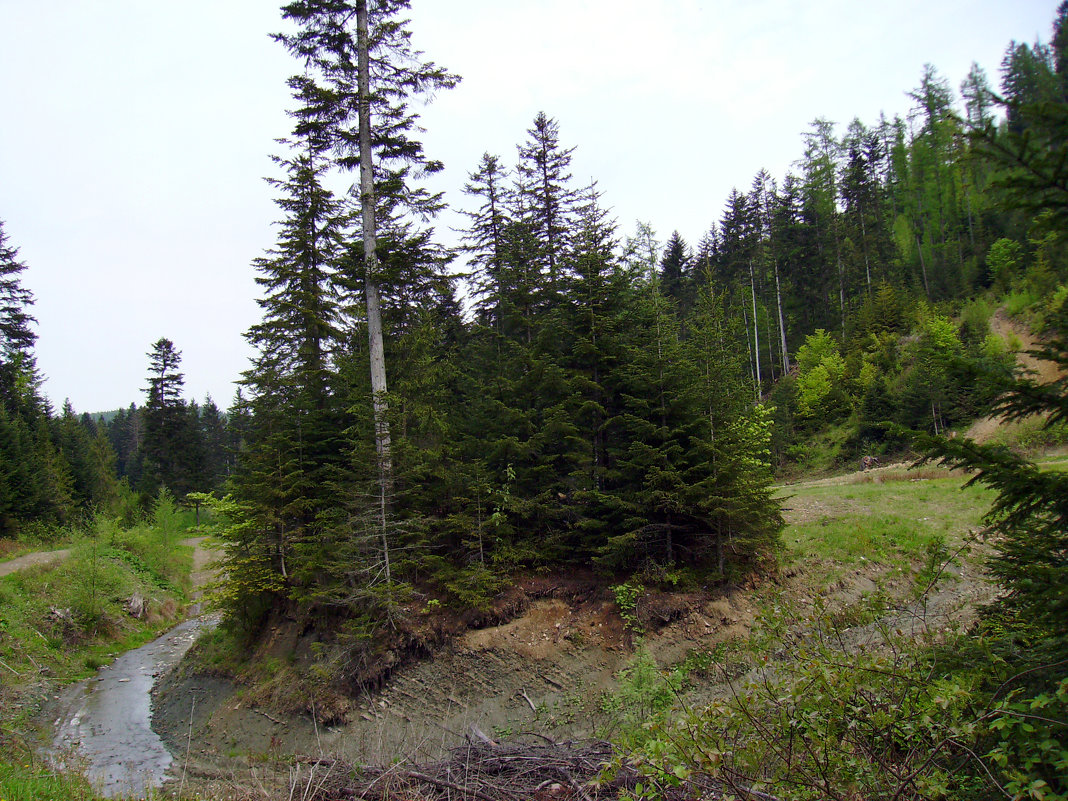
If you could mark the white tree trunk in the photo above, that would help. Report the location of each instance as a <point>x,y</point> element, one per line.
<point>756,330</point>
<point>374,306</point>
<point>782,323</point>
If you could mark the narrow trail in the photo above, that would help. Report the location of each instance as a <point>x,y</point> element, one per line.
<point>32,560</point>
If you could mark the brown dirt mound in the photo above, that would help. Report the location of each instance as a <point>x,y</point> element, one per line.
<point>1018,336</point>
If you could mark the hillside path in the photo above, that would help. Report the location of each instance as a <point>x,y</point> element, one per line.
<point>202,557</point>
<point>31,559</point>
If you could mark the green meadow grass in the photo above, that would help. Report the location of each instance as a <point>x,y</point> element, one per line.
<point>26,778</point>
<point>893,522</point>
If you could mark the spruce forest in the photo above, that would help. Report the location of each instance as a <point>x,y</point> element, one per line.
<point>422,424</point>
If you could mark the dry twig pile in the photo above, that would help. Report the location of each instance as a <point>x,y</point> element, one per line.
<point>484,770</point>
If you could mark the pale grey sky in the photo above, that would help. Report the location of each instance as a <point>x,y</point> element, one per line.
<point>135,135</point>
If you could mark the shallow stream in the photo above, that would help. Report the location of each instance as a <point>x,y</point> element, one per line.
<point>103,724</point>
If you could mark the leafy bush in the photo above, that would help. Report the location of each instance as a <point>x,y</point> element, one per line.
<point>883,721</point>
<point>1031,733</point>
<point>643,692</point>
<point>821,388</point>
<point>1018,302</point>
<point>627,596</point>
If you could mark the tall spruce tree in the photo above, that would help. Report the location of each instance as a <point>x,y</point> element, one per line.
<point>298,460</point>
<point>820,166</point>
<point>18,371</point>
<point>546,197</point>
<point>675,275</point>
<point>294,441</point>
<point>484,239</point>
<point>166,460</point>
<point>363,56</point>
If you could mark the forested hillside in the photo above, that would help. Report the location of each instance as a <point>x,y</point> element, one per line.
<point>423,426</point>
<point>577,394</point>
<point>607,399</point>
<point>421,422</point>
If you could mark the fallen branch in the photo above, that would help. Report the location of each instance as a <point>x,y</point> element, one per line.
<point>5,664</point>
<point>269,717</point>
<point>411,774</point>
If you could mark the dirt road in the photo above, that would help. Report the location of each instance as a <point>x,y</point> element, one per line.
<point>32,559</point>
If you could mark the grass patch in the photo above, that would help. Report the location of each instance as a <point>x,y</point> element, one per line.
<point>63,619</point>
<point>891,525</point>
<point>24,777</point>
<point>1031,436</point>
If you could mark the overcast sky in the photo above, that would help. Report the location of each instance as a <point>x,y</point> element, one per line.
<point>135,134</point>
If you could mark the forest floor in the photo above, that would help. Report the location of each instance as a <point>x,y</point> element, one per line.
<point>859,548</point>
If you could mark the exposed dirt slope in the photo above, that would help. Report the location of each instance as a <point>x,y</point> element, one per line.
<point>1018,336</point>
<point>545,671</point>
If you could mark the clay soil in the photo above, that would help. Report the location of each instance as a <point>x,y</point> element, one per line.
<point>544,671</point>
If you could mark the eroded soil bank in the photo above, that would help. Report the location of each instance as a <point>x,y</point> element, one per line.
<point>546,670</point>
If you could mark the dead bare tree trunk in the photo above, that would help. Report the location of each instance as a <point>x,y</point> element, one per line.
<point>782,324</point>
<point>374,306</point>
<point>756,330</point>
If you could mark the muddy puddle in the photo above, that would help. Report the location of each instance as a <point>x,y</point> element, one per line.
<point>103,725</point>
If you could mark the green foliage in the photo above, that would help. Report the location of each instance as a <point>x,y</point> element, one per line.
<point>68,616</point>
<point>643,692</point>
<point>828,448</point>
<point>1029,726</point>
<point>27,777</point>
<point>1031,509</point>
<point>895,522</point>
<point>474,586</point>
<point>1016,303</point>
<point>627,596</point>
<point>1002,260</point>
<point>821,388</point>
<point>894,719</point>
<point>165,513</point>
<point>1031,735</point>
<point>250,578</point>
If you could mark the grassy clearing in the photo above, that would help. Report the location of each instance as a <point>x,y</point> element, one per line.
<point>893,523</point>
<point>819,704</point>
<point>65,620</point>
